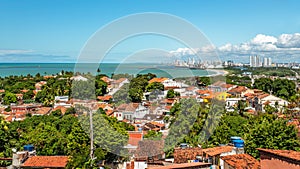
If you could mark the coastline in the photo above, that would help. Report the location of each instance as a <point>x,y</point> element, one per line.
<point>218,72</point>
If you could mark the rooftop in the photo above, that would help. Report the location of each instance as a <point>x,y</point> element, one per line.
<point>217,150</point>
<point>241,161</point>
<point>134,137</point>
<point>105,98</point>
<point>294,155</point>
<point>183,165</point>
<point>159,80</point>
<point>46,162</point>
<point>183,155</point>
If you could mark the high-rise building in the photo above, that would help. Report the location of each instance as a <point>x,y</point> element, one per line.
<point>267,62</point>
<point>254,61</point>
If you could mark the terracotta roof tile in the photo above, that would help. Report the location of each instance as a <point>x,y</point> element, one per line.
<point>61,108</point>
<point>105,98</point>
<point>43,110</point>
<point>204,92</point>
<point>168,107</point>
<point>157,124</point>
<point>294,155</point>
<point>134,138</point>
<point>149,148</point>
<point>183,155</point>
<point>169,101</point>
<point>261,96</point>
<point>238,89</point>
<point>217,150</point>
<point>159,80</point>
<point>46,161</point>
<point>241,161</point>
<point>183,165</point>
<point>106,79</point>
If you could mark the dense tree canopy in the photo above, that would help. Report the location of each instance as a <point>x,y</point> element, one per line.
<point>282,88</point>
<point>61,135</point>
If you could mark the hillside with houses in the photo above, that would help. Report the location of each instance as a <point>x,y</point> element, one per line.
<point>147,122</point>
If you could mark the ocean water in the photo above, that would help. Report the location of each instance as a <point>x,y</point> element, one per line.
<point>8,69</point>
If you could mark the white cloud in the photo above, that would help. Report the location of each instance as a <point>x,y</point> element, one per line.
<point>13,51</point>
<point>263,39</point>
<point>283,48</point>
<point>289,41</point>
<point>184,52</point>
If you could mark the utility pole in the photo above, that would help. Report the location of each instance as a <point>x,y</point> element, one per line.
<point>91,134</point>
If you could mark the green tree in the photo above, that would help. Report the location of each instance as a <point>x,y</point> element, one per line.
<point>154,86</point>
<point>135,94</point>
<point>9,98</point>
<point>153,135</point>
<point>270,109</point>
<point>172,94</point>
<point>266,132</point>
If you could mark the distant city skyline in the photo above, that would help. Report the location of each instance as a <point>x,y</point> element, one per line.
<point>56,31</point>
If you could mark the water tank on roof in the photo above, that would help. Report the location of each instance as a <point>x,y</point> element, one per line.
<point>238,143</point>
<point>183,145</point>
<point>28,147</point>
<point>140,129</point>
<point>234,138</point>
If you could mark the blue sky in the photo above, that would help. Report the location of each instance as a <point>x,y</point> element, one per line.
<point>36,30</point>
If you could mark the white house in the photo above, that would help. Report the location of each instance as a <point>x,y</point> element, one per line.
<point>273,100</point>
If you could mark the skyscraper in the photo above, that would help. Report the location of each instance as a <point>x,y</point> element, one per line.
<point>254,61</point>
<point>267,62</point>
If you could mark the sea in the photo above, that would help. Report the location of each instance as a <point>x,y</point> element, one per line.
<point>161,70</point>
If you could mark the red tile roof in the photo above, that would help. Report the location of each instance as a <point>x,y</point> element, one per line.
<point>217,150</point>
<point>24,91</point>
<point>241,161</point>
<point>169,101</point>
<point>238,89</point>
<point>227,85</point>
<point>128,107</point>
<point>9,118</point>
<point>105,98</point>
<point>106,79</point>
<point>294,155</point>
<point>46,161</point>
<point>159,80</point>
<point>134,138</point>
<point>183,165</point>
<point>183,155</point>
<point>204,92</point>
<point>157,124</point>
<point>43,110</point>
<point>262,96</point>
<point>61,108</point>
<point>168,107</point>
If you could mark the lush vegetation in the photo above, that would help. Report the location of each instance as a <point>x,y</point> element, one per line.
<point>58,86</point>
<point>279,87</point>
<point>239,80</point>
<point>263,131</point>
<point>139,85</point>
<point>268,71</point>
<point>64,135</point>
<point>209,125</point>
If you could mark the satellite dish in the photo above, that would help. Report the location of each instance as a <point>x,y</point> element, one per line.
<point>14,150</point>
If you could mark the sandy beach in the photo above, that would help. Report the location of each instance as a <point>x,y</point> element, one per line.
<point>218,72</point>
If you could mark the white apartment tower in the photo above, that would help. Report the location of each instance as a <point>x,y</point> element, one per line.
<point>254,61</point>
<point>267,62</point>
